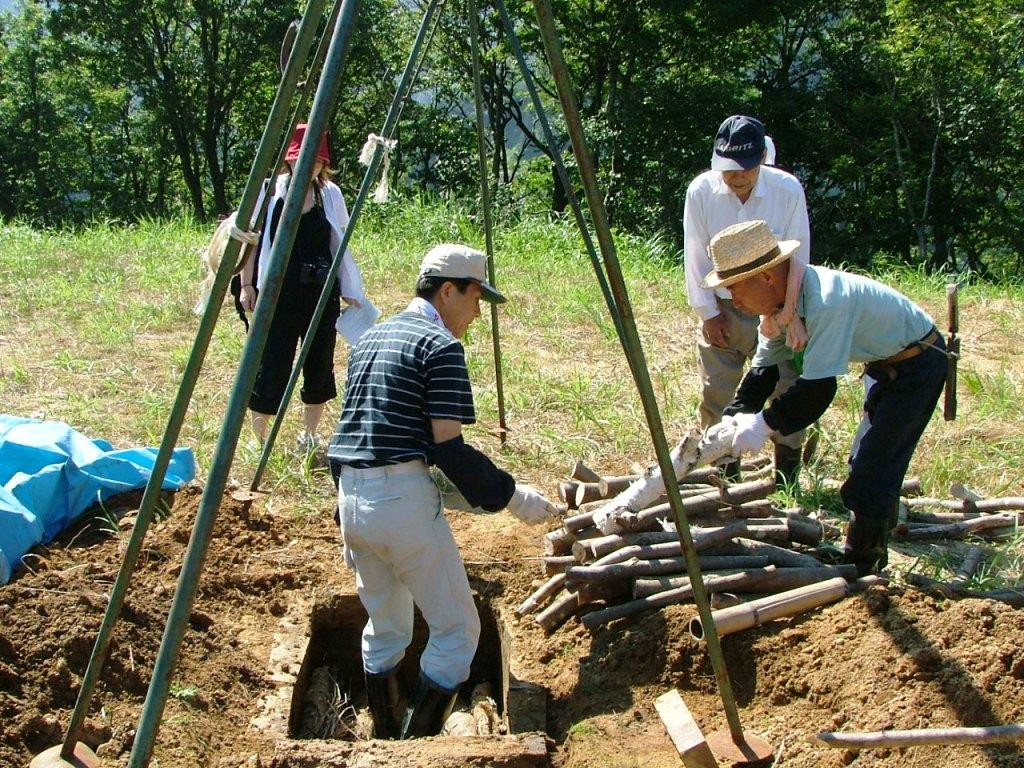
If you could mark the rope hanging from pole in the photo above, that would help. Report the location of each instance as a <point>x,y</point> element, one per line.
<point>373,141</point>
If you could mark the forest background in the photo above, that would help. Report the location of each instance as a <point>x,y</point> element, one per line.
<point>902,118</point>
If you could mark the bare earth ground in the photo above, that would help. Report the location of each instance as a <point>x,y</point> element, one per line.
<point>889,659</point>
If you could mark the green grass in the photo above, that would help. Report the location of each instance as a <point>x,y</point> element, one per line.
<point>96,328</point>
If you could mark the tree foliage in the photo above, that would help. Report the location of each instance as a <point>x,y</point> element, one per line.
<point>901,117</point>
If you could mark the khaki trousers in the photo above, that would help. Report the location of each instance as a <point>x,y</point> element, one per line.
<point>721,369</point>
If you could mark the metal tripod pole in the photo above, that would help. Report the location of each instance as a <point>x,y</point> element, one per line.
<point>390,122</point>
<point>151,495</point>
<point>184,596</point>
<point>635,353</point>
<point>473,13</point>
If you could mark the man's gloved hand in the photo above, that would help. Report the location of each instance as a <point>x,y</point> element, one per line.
<point>529,505</point>
<point>716,444</point>
<point>751,433</point>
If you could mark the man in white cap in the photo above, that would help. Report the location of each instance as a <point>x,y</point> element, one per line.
<point>407,397</point>
<point>741,186</point>
<point>849,319</point>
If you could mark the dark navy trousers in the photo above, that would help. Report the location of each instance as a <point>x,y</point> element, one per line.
<point>897,406</point>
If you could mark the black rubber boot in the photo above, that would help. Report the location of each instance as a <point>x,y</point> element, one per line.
<point>386,697</point>
<point>787,466</point>
<point>429,707</point>
<point>867,545</point>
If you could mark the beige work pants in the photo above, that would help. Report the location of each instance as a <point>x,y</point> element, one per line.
<point>721,369</point>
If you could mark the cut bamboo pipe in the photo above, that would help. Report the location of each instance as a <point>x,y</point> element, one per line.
<point>587,492</point>
<point>994,734</point>
<point>757,612</point>
<point>567,493</point>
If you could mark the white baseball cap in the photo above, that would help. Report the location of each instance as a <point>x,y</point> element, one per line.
<point>460,262</point>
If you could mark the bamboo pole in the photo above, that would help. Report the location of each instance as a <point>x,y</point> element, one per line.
<point>655,566</point>
<point>783,558</point>
<point>757,612</point>
<point>994,734</point>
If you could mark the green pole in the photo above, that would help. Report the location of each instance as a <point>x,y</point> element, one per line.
<point>485,201</point>
<point>563,174</point>
<point>635,354</point>
<point>390,122</point>
<point>188,581</point>
<point>151,495</point>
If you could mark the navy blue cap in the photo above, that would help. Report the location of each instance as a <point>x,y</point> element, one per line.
<point>739,144</point>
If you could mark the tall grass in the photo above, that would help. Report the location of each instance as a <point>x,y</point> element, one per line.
<point>95,328</point>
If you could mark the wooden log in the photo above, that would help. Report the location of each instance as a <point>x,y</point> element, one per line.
<point>614,485</point>
<point>962,492</point>
<point>994,734</point>
<point>773,580</point>
<point>599,546</point>
<point>550,566</point>
<point>1001,504</point>
<point>783,558</point>
<point>559,541</point>
<point>961,529</point>
<point>968,566</point>
<point>911,486</point>
<point>686,736</point>
<point>654,566</point>
<point>567,493</point>
<point>587,492</point>
<point>559,612</point>
<point>583,473</point>
<point>661,600</point>
<point>1013,596</point>
<point>605,591</point>
<point>541,595</point>
<point>706,503</point>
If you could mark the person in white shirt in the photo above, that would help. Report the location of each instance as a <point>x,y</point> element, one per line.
<point>741,187</point>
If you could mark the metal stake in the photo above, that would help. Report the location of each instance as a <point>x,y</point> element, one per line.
<point>190,375</point>
<point>635,354</point>
<point>473,12</point>
<point>188,581</point>
<point>390,123</point>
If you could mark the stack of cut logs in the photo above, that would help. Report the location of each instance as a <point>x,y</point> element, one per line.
<point>744,542</point>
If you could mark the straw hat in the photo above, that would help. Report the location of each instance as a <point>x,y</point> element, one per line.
<point>744,250</point>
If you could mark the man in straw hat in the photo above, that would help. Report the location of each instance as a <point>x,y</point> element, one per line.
<point>741,186</point>
<point>849,318</point>
<point>407,398</point>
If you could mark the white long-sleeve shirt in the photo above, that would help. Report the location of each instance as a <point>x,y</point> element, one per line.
<point>777,198</point>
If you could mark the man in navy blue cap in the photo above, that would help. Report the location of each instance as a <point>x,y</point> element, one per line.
<point>742,186</point>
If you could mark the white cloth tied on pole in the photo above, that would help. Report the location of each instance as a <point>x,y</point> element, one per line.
<point>769,151</point>
<point>373,141</point>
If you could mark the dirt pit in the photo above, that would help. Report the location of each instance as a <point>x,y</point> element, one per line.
<point>886,659</point>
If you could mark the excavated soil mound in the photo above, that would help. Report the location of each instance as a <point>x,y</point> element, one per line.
<point>887,659</point>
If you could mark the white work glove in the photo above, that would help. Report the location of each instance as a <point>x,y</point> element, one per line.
<point>529,505</point>
<point>752,432</point>
<point>716,444</point>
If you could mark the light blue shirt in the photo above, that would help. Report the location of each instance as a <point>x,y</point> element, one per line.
<point>849,319</point>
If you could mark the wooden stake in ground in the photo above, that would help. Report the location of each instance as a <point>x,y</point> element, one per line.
<point>684,731</point>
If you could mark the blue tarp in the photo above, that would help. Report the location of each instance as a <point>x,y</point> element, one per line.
<point>50,474</point>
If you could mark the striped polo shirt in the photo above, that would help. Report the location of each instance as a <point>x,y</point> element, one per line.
<point>402,373</point>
